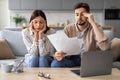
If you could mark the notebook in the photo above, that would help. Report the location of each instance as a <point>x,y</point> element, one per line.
<point>95,63</point>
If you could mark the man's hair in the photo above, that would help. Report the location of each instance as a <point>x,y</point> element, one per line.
<point>82,5</point>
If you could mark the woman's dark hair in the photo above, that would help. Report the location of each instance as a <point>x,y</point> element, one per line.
<point>37,13</point>
<point>82,5</point>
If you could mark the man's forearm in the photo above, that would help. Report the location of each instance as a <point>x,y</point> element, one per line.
<point>98,32</point>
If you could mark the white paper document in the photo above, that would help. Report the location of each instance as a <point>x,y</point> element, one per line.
<point>62,43</point>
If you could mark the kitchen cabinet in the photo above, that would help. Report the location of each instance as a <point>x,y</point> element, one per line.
<point>22,4</point>
<point>112,4</point>
<point>14,4</point>
<point>52,4</point>
<point>94,4</point>
<point>35,4</point>
<point>28,4</point>
<point>69,4</point>
<point>49,4</point>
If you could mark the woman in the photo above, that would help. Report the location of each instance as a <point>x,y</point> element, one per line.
<point>35,38</point>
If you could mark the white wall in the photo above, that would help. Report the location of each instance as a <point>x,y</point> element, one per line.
<point>4,13</point>
<point>54,17</point>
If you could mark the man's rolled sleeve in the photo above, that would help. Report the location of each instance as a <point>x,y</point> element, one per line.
<point>104,44</point>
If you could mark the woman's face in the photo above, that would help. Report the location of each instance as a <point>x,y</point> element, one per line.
<point>39,23</point>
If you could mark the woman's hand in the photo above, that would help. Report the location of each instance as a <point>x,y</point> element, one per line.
<point>32,27</point>
<point>59,55</point>
<point>36,36</point>
<point>43,30</point>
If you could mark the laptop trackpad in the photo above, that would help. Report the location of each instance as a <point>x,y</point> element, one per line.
<point>76,71</point>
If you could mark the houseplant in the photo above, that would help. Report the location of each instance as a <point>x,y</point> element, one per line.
<point>18,20</point>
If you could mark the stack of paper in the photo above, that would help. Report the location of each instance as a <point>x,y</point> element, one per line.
<point>62,43</point>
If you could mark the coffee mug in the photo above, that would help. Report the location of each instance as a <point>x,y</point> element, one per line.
<point>7,67</point>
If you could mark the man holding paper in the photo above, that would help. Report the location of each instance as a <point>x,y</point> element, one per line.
<point>89,34</point>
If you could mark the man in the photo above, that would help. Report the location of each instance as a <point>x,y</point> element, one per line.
<point>89,33</point>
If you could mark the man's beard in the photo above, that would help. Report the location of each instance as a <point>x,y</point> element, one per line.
<point>82,24</point>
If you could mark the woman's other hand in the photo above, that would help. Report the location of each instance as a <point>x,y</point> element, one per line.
<point>41,32</point>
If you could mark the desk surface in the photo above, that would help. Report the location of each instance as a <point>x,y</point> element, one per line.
<point>56,74</point>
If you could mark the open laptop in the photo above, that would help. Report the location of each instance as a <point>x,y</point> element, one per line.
<point>95,63</point>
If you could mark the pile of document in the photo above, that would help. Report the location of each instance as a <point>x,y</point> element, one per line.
<point>62,43</point>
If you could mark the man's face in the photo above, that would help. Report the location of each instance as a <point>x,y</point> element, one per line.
<point>79,17</point>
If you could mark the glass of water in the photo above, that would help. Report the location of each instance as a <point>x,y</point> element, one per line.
<point>18,65</point>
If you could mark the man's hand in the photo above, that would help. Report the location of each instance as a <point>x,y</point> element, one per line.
<point>89,16</point>
<point>59,55</point>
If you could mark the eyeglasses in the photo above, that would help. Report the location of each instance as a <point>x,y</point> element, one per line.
<point>41,74</point>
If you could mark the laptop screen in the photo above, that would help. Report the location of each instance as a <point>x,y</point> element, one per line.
<point>95,63</point>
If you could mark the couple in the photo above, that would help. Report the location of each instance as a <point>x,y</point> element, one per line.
<point>40,50</point>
